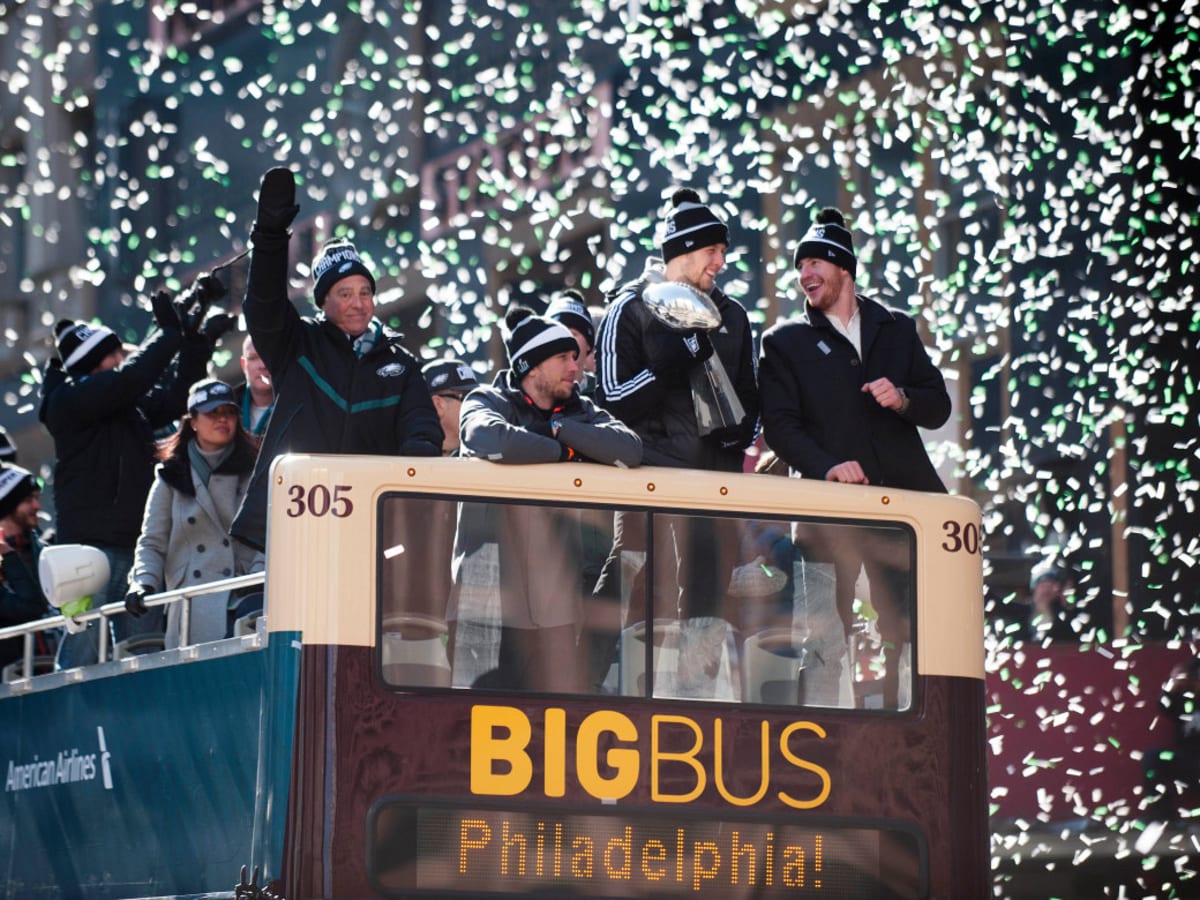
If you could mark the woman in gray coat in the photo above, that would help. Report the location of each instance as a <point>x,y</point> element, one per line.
<point>199,485</point>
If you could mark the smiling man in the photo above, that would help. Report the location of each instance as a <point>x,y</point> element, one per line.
<point>343,381</point>
<point>845,386</point>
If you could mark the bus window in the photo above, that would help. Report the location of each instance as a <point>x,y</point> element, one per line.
<point>514,596</point>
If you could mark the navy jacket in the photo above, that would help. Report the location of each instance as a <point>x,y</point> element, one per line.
<point>327,399</point>
<point>21,597</point>
<point>815,414</point>
<point>103,428</point>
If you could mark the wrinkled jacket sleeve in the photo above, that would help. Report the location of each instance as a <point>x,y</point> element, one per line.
<point>420,428</point>
<point>929,401</point>
<point>271,320</point>
<point>782,412</point>
<point>168,400</point>
<point>485,432</point>
<point>150,556</point>
<point>625,384</point>
<point>601,438</point>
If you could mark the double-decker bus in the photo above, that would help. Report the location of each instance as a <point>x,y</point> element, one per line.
<point>564,680</point>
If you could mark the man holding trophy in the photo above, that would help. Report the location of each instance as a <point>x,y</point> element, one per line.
<point>674,355</point>
<point>675,362</point>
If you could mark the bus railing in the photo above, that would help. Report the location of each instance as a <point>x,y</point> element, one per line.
<point>183,596</point>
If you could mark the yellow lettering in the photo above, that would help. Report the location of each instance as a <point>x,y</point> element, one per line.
<point>622,846</point>
<point>489,747</point>
<point>764,766</point>
<point>819,771</point>
<point>473,834</point>
<point>555,779</point>
<point>793,866</point>
<point>623,761</point>
<point>739,853</point>
<point>701,872</point>
<point>512,841</point>
<point>654,851</point>
<point>583,858</point>
<point>688,758</point>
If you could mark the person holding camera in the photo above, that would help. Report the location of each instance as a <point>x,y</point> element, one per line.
<point>102,407</point>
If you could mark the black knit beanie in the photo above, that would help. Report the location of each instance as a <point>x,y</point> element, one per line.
<point>337,260</point>
<point>81,346</point>
<point>690,225</point>
<point>532,339</point>
<point>15,485</point>
<point>828,239</point>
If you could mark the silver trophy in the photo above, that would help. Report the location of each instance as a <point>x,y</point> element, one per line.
<point>681,308</point>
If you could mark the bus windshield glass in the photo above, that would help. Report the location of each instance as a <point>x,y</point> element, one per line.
<point>514,596</point>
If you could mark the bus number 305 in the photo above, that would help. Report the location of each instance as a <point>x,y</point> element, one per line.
<point>319,500</point>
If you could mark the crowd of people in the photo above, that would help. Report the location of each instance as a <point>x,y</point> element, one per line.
<point>164,469</point>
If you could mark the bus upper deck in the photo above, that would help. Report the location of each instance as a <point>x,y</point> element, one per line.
<point>565,679</point>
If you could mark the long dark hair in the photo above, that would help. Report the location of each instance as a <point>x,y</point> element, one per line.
<point>176,446</point>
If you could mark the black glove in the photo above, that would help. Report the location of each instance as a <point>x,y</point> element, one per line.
<point>135,602</point>
<point>674,352</point>
<point>209,289</point>
<point>217,325</point>
<point>276,201</point>
<point>166,316</point>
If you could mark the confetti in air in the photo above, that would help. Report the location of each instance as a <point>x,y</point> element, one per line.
<point>1021,175</point>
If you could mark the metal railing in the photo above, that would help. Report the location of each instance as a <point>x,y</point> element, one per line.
<point>183,596</point>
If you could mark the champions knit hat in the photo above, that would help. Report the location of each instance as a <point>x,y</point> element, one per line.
<point>828,239</point>
<point>690,225</point>
<point>532,339</point>
<point>15,485</point>
<point>449,376</point>
<point>337,260</point>
<point>81,347</point>
<point>568,307</point>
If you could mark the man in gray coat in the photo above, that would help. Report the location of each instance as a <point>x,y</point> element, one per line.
<point>533,413</point>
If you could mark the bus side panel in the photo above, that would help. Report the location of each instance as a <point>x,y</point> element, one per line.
<point>276,734</point>
<point>137,784</point>
<point>924,770</point>
<point>968,846</point>
<point>311,810</point>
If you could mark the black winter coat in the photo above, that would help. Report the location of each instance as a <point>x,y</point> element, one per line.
<point>103,428</point>
<point>327,399</point>
<point>658,405</point>
<point>815,414</point>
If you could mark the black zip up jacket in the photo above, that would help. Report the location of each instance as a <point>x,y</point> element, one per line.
<point>657,404</point>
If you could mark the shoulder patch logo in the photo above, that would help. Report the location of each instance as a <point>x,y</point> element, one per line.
<point>391,370</point>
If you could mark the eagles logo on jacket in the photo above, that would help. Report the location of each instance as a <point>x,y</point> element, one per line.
<point>328,399</point>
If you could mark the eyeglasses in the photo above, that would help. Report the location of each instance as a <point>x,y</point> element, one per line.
<point>458,397</point>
